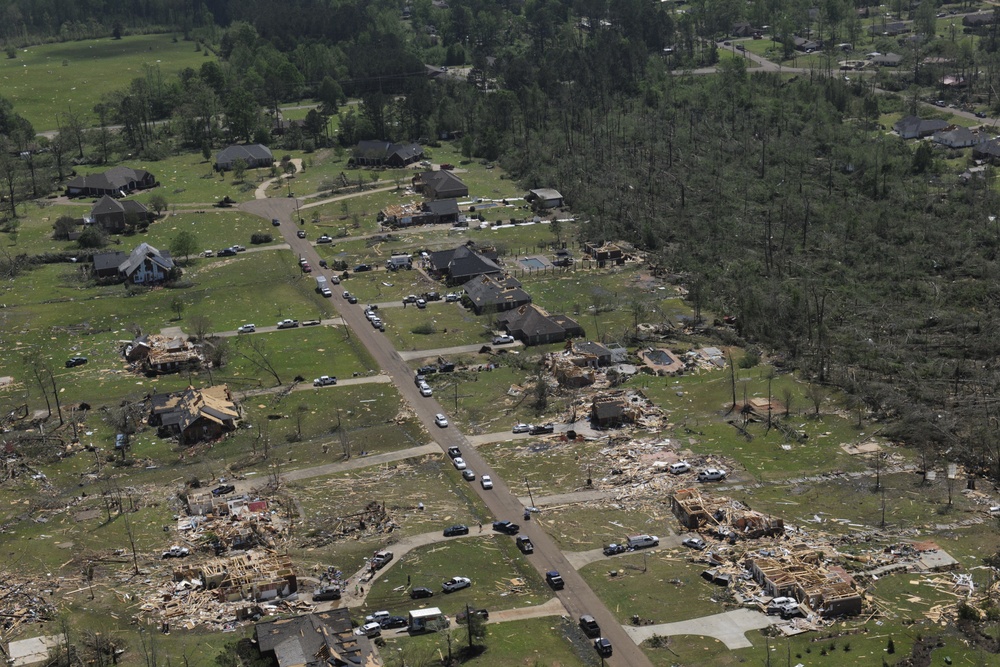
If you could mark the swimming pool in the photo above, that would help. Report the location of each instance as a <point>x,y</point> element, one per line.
<point>659,357</point>
<point>533,263</point>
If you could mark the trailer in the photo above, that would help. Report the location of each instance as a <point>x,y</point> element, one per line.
<point>428,620</point>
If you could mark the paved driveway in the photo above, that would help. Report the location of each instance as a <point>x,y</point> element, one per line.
<point>730,628</point>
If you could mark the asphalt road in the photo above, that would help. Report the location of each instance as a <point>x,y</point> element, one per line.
<point>577,596</point>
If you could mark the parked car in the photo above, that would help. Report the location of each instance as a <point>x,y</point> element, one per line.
<point>306,268</point>
<point>502,340</point>
<point>468,475</point>
<point>275,222</point>
<point>427,370</point>
<point>376,322</point>
<point>288,324</point>
<point>454,452</point>
<point>459,463</point>
<point>301,234</point>
<point>361,268</point>
<point>679,467</point>
<point>208,253</point>
<point>787,607</point>
<point>431,296</point>
<point>239,248</point>
<point>451,297</point>
<point>421,304</point>
<point>352,299</point>
<point>711,475</point>
<point>176,552</point>
<point>425,389</point>
<point>73,362</point>
<point>615,549</point>
<point>589,626</point>
<point>642,541</point>
<point>521,428</point>
<point>524,544</point>
<point>555,580</point>
<point>694,543</point>
<point>377,616</point>
<point>441,420</point>
<point>326,593</point>
<point>603,647</point>
<point>456,584</point>
<point>420,592</point>
<point>410,298</point>
<point>381,559</point>
<point>324,239</point>
<point>246,328</point>
<point>540,429</point>
<point>506,527</point>
<point>346,294</point>
<point>980,114</point>
<point>457,529</point>
<point>486,481</point>
<point>324,381</point>
<point>223,489</point>
<point>369,630</point>
<point>446,166</point>
<point>227,252</point>
<point>335,280</point>
<point>394,622</point>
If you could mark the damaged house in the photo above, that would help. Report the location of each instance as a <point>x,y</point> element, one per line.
<point>460,265</point>
<point>251,575</point>
<point>147,265</point>
<point>195,415</point>
<point>494,294</point>
<point>322,639</point>
<point>534,326</point>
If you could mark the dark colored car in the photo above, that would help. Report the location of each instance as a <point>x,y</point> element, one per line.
<point>73,362</point>
<point>589,626</point>
<point>427,370</point>
<point>462,617</point>
<point>326,593</point>
<point>457,529</point>
<point>615,549</point>
<point>275,222</point>
<point>421,592</point>
<point>227,252</point>
<point>454,452</point>
<point>432,296</point>
<point>555,580</point>
<point>394,622</point>
<point>539,429</point>
<point>352,299</point>
<point>361,268</point>
<point>506,527</point>
<point>603,647</point>
<point>223,490</point>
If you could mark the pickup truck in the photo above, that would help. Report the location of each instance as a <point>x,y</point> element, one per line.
<point>381,559</point>
<point>540,429</point>
<point>176,552</point>
<point>525,545</point>
<point>288,324</point>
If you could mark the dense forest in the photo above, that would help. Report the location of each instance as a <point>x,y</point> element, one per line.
<point>776,199</point>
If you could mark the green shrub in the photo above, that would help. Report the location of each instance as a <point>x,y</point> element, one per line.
<point>260,237</point>
<point>424,329</point>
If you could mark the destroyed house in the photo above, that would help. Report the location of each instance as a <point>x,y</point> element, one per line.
<point>534,326</point>
<point>824,591</point>
<point>604,252</point>
<point>444,211</point>
<point>251,575</point>
<point>491,294</point>
<point>321,639</point>
<point>160,354</point>
<point>462,264</point>
<point>591,354</point>
<point>606,413</point>
<point>195,415</point>
<point>725,516</point>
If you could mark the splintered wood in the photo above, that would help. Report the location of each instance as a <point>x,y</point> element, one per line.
<point>21,603</point>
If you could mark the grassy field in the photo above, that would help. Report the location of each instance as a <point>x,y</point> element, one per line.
<point>71,77</point>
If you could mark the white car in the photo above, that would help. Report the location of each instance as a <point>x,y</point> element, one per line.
<point>369,630</point>
<point>377,617</point>
<point>679,467</point>
<point>486,481</point>
<point>459,463</point>
<point>208,253</point>
<point>451,296</point>
<point>425,389</point>
<point>711,475</point>
<point>441,420</point>
<point>246,328</point>
<point>521,428</point>
<point>456,584</point>
<point>502,340</point>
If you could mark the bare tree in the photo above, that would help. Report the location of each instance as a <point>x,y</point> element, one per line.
<point>787,396</point>
<point>41,371</point>
<point>200,325</point>
<point>816,394</point>
<point>254,350</point>
<point>130,531</point>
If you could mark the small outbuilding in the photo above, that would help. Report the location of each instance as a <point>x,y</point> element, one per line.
<point>545,198</point>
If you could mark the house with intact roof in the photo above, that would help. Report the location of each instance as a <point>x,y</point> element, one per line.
<point>494,294</point>
<point>195,415</point>
<point>534,326</point>
<point>116,217</point>
<point>105,264</point>
<point>441,184</point>
<point>462,264</point>
<point>375,153</point>
<point>254,155</point>
<point>545,198</point>
<point>914,127</point>
<point>115,182</point>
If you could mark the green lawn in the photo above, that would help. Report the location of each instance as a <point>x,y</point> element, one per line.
<point>71,77</point>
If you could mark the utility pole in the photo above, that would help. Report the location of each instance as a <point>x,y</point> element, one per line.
<point>529,492</point>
